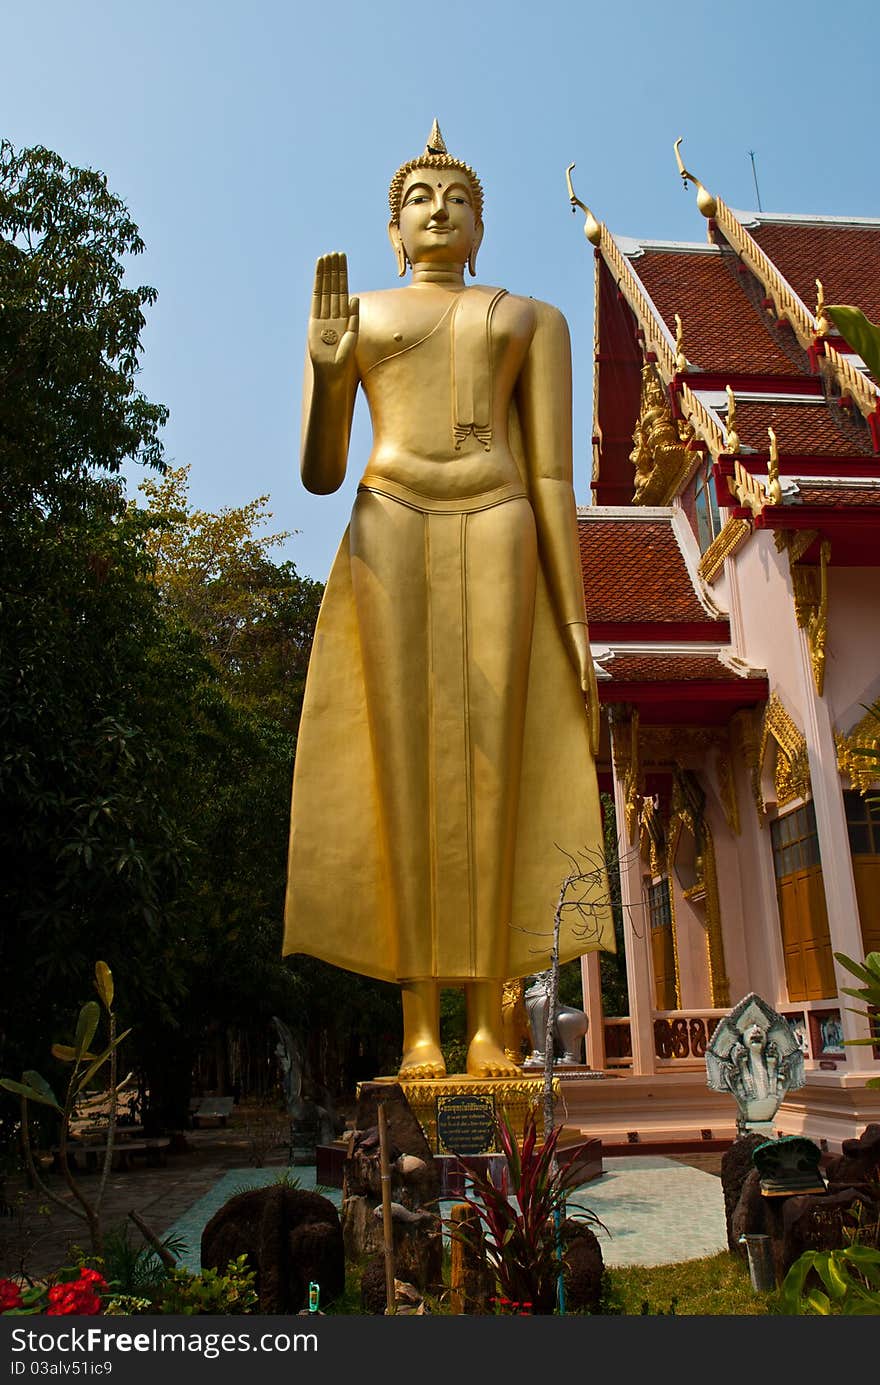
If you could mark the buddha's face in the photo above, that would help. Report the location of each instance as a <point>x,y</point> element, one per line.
<point>437,218</point>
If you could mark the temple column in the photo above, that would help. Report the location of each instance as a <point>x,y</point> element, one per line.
<point>591,985</point>
<point>636,932</point>
<point>837,874</point>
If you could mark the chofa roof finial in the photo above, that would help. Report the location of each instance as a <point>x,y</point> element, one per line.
<point>705,201</point>
<point>592,227</point>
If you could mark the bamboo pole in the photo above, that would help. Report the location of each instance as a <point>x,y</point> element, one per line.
<point>387,1222</point>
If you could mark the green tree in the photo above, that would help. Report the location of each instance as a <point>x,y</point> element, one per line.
<point>89,668</point>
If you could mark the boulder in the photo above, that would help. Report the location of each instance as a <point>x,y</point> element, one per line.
<point>290,1236</point>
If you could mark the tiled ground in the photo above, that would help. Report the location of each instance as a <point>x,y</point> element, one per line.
<point>655,1210</point>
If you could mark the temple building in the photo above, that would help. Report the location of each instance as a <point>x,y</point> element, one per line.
<point>732,578</point>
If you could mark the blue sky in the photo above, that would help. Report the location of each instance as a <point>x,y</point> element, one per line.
<point>247,140</point>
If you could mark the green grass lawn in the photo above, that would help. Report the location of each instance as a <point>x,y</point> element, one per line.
<point>717,1286</point>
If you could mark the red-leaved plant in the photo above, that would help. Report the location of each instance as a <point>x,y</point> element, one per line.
<point>517,1231</point>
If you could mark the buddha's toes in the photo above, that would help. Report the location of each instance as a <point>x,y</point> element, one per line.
<point>422,1062</point>
<point>485,1058</point>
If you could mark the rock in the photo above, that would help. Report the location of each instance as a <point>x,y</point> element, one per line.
<point>736,1167</point>
<point>404,1132</point>
<point>858,1165</point>
<point>584,1267</point>
<point>816,1223</point>
<point>290,1236</point>
<point>749,1217</point>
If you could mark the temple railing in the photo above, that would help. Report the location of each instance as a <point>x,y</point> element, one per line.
<point>680,1037</point>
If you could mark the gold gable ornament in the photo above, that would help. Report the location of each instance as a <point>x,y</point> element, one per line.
<point>858,752</point>
<point>791,773</point>
<point>660,454</point>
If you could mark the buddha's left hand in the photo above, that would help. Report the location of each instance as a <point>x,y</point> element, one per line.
<point>579,649</point>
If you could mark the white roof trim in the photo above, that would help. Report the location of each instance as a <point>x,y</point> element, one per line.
<point>643,512</point>
<point>803,219</point>
<point>690,552</point>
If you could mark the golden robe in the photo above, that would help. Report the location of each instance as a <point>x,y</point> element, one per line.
<point>470,847</point>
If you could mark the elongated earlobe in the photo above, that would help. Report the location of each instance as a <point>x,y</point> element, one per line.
<point>397,246</point>
<point>478,241</point>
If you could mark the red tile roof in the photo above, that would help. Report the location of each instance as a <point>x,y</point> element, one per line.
<point>840,496</point>
<point>723,331</point>
<point>634,571</point>
<point>669,668</point>
<point>845,258</point>
<point>801,429</point>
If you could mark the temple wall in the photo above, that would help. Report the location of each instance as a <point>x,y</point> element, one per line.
<point>852,664</point>
<point>769,629</point>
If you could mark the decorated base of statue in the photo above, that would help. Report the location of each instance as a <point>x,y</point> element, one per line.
<point>458,1113</point>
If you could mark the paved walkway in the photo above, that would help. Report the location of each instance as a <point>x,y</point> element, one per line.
<point>654,1210</point>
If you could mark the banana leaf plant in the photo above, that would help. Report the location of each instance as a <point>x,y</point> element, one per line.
<point>859,333</point>
<point>85,1067</point>
<point>869,992</point>
<point>830,1282</point>
<point>516,1228</point>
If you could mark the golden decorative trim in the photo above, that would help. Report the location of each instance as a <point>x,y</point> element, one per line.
<point>732,434</point>
<point>652,838</point>
<point>685,814</point>
<point>681,360</point>
<point>719,982</point>
<point>810,590</point>
<point>625,742</point>
<point>787,304</point>
<point>774,485</point>
<point>796,541</point>
<point>733,534</point>
<point>672,843</point>
<point>865,735</point>
<point>823,326</point>
<point>655,338</point>
<point>660,453</point>
<point>597,351</point>
<point>513,1095</point>
<point>514,1024</point>
<point>727,789</point>
<point>791,778</point>
<point>851,381</point>
<point>701,421</point>
<point>749,491</point>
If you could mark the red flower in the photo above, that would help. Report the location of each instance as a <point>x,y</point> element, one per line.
<point>10,1295</point>
<point>78,1297</point>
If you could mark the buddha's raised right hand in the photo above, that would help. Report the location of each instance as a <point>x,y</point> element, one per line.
<point>333,324</point>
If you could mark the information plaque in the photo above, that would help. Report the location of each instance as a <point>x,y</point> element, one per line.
<point>466,1124</point>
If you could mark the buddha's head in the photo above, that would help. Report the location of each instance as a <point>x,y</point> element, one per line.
<point>436,209</point>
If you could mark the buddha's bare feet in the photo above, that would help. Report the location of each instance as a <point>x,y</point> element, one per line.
<point>486,1058</point>
<point>422,1062</point>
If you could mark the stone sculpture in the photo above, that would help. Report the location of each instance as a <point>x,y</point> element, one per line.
<point>569,1026</point>
<point>754,1055</point>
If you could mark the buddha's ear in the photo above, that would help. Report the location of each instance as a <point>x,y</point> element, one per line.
<point>477,242</point>
<point>397,245</point>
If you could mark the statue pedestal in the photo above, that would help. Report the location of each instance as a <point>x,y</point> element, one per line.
<point>457,1113</point>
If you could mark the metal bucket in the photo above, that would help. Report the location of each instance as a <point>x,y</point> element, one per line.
<point>761,1269</point>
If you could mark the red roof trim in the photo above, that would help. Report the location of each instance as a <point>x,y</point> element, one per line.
<point>751,384</point>
<point>814,516</point>
<point>661,631</point>
<point>742,691</point>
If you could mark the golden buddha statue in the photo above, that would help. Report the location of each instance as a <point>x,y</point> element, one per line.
<point>445,750</point>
